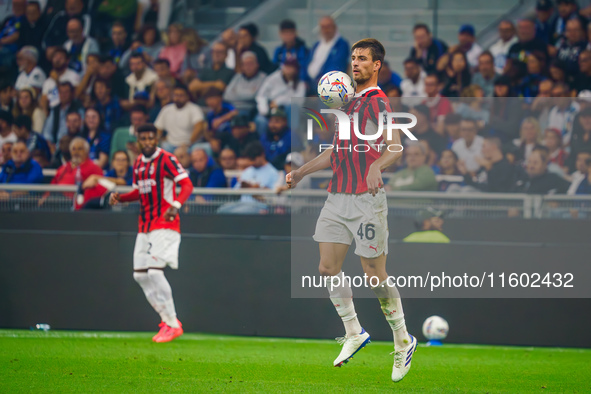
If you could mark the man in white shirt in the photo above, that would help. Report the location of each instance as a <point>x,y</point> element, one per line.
<point>469,146</point>
<point>79,46</point>
<point>60,73</point>
<point>30,74</point>
<point>413,86</point>
<point>500,49</point>
<point>140,80</point>
<point>183,122</point>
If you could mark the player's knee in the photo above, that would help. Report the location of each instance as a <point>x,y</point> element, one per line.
<point>327,270</point>
<point>140,276</point>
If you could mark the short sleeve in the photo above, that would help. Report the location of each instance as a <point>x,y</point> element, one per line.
<point>174,169</point>
<point>196,114</point>
<point>159,122</point>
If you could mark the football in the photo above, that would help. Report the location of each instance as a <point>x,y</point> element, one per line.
<point>435,328</point>
<point>336,89</point>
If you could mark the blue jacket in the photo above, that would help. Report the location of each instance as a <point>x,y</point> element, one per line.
<point>30,172</point>
<point>277,150</point>
<point>338,59</point>
<point>299,51</point>
<point>212,176</point>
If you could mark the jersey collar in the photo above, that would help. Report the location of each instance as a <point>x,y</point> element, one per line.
<point>360,94</point>
<point>155,155</point>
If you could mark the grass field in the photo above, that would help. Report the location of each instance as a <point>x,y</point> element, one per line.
<point>62,361</point>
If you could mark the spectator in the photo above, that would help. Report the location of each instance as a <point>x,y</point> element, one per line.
<point>6,133</point>
<point>563,113</point>
<point>413,86</point>
<point>429,225</point>
<point>79,46</point>
<point>107,105</point>
<point>73,125</point>
<point>60,73</point>
<point>228,159</point>
<point>545,20</point>
<point>162,97</point>
<point>417,176</point>
<point>229,40</point>
<point>6,96</point>
<point>182,155</point>
<point>21,168</point>
<point>447,174</point>
<point>530,136</point>
<point>541,181</point>
<point>277,90</point>
<point>76,171</point>
<point>33,26</point>
<point>148,44</point>
<point>567,10</point>
<point>581,184</point>
<point>293,161</point>
<point>387,78</point>
<point>108,71</point>
<point>330,53</point>
<point>451,127</point>
<point>175,51</point>
<point>553,141</point>
<point>496,174</point>
<point>457,75</point>
<point>247,35</point>
<point>220,112</point>
<point>194,61</point>
<point>98,138</point>
<point>426,50</point>
<point>439,106</point>
<point>572,45</point>
<point>84,89</point>
<point>536,73</point>
<point>516,67</point>
<point>500,49</point>
<point>141,78</point>
<point>26,104</point>
<point>243,87</point>
<point>243,133</point>
<point>486,75</point>
<point>260,175</point>
<point>204,172</point>
<point>119,43</point>
<point>469,147</point>
<point>505,115</point>
<point>62,154</point>
<point>55,125</point>
<point>581,137</point>
<point>472,105</point>
<point>6,152</point>
<point>124,138</point>
<point>183,121</point>
<point>424,131</point>
<point>10,33</point>
<point>292,47</point>
<point>34,141</point>
<point>162,68</point>
<point>56,33</point>
<point>280,141</point>
<point>582,80</point>
<point>121,173</point>
<point>466,45</point>
<point>30,75</point>
<point>217,76</point>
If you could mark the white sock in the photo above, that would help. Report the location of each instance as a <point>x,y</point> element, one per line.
<point>392,307</point>
<point>341,296</point>
<point>164,301</point>
<point>144,281</point>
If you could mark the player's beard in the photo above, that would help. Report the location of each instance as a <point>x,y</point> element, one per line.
<point>360,79</point>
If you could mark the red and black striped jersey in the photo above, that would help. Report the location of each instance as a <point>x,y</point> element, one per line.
<point>155,178</point>
<point>350,159</point>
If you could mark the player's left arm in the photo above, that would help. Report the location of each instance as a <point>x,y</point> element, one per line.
<point>374,175</point>
<point>175,170</point>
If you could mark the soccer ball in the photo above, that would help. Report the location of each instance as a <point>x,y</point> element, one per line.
<point>336,89</point>
<point>435,328</point>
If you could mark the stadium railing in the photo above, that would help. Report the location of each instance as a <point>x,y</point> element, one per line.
<point>57,198</point>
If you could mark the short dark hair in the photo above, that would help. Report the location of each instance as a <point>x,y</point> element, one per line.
<point>254,150</point>
<point>375,48</point>
<point>471,120</point>
<point>411,60</point>
<point>118,24</point>
<point>287,24</point>
<point>124,152</point>
<point>66,83</point>
<point>452,118</point>
<point>162,61</point>
<point>434,75</point>
<point>60,50</point>
<point>136,54</point>
<point>423,26</point>
<point>251,28</point>
<point>147,128</point>
<point>5,85</point>
<point>487,53</point>
<point>139,108</point>
<point>104,81</point>
<point>182,87</point>
<point>106,59</point>
<point>23,121</point>
<point>36,3</point>
<point>72,111</point>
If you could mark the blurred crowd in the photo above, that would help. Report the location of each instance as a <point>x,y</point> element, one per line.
<point>77,78</point>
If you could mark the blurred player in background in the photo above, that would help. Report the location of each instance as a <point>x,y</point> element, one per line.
<point>429,224</point>
<point>356,208</point>
<point>156,173</point>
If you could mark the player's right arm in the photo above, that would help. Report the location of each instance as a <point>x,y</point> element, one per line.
<point>320,162</point>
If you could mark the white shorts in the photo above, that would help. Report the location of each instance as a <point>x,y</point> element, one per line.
<point>157,249</point>
<point>362,217</point>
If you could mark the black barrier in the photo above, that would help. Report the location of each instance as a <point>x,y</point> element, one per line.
<point>74,271</point>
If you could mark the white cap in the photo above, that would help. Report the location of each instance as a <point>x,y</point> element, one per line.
<point>585,95</point>
<point>295,158</point>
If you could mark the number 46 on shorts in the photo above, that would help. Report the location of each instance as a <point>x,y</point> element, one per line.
<point>369,232</point>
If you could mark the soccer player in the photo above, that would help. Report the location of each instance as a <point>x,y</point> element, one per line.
<point>356,208</point>
<point>156,173</point>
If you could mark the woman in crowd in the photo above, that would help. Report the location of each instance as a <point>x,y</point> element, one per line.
<point>447,173</point>
<point>536,73</point>
<point>194,62</point>
<point>97,137</point>
<point>456,75</point>
<point>472,105</point>
<point>175,50</point>
<point>505,112</point>
<point>26,104</point>
<point>553,141</point>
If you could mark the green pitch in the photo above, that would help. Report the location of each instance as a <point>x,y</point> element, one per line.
<point>130,362</point>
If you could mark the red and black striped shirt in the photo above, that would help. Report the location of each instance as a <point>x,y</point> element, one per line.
<point>350,159</point>
<point>155,178</point>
